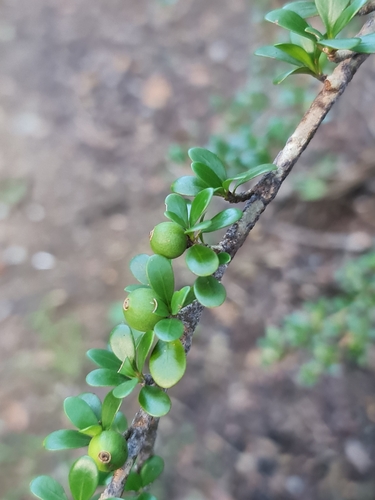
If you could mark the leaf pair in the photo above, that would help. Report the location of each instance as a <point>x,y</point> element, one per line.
<point>150,471</point>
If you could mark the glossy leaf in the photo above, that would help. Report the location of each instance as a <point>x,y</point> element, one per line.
<point>121,341</point>
<point>83,478</point>
<point>151,470</point>
<point>330,11</point>
<point>111,406</point>
<point>224,219</point>
<point>169,329</point>
<point>120,423</point>
<point>289,20</point>
<point>144,348</point>
<point>188,185</point>
<point>79,412</point>
<point>224,258</point>
<point>175,218</point>
<point>308,45</point>
<point>201,226</point>
<point>366,45</point>
<point>206,174</point>
<point>200,205</point>
<point>94,403</point>
<point>138,267</point>
<point>201,260</point>
<point>274,53</point>
<point>303,9</point>
<point>208,158</point>
<point>298,53</point>
<point>176,204</point>
<point>347,15</point>
<point>65,440</point>
<point>167,363</point>
<point>209,292</point>
<point>318,36</point>
<point>131,288</point>
<point>46,488</point>
<point>162,309</point>
<point>178,299</point>
<point>146,496</point>
<point>340,43</point>
<point>161,277</point>
<point>297,71</point>
<point>249,175</point>
<point>92,430</point>
<point>104,359</point>
<point>134,482</point>
<point>154,401</point>
<point>104,378</point>
<point>126,388</point>
<point>128,369</point>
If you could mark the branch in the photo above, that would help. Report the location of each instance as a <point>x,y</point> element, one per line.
<point>367,9</point>
<point>261,195</point>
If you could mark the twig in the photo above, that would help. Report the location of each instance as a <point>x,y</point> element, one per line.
<point>261,195</point>
<point>367,9</point>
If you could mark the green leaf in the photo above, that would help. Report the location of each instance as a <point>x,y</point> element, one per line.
<point>104,359</point>
<point>367,44</point>
<point>79,412</point>
<point>104,378</point>
<point>289,20</point>
<point>318,36</point>
<point>154,401</point>
<point>224,258</point>
<point>175,218</point>
<point>94,403</point>
<point>151,470</point>
<point>303,9</point>
<point>347,15</point>
<point>128,369</point>
<point>134,482</point>
<point>121,341</point>
<point>120,424</point>
<point>209,292</point>
<point>167,363</point>
<point>65,440</point>
<point>92,430</point>
<point>83,478</point>
<point>297,71</point>
<point>201,155</point>
<point>200,205</point>
<point>224,219</point>
<point>188,185</point>
<point>176,204</point>
<point>199,227</point>
<point>144,348</point>
<point>131,288</point>
<point>123,390</point>
<point>206,174</point>
<point>201,260</point>
<point>169,329</point>
<point>250,174</point>
<point>46,488</point>
<point>178,299</point>
<point>111,406</point>
<point>308,45</point>
<point>161,277</point>
<point>330,11</point>
<point>340,43</point>
<point>138,267</point>
<point>274,53</point>
<point>146,496</point>
<point>298,53</point>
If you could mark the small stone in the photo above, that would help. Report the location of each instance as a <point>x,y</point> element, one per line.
<point>29,125</point>
<point>14,255</point>
<point>43,261</point>
<point>35,212</point>
<point>218,51</point>
<point>295,485</point>
<point>357,455</point>
<point>156,92</point>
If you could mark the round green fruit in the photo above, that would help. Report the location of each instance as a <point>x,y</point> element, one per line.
<point>109,450</point>
<point>139,309</point>
<point>168,239</point>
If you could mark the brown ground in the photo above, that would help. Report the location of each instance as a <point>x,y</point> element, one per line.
<point>92,93</point>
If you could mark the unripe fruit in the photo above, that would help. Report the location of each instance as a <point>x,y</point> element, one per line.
<point>168,239</point>
<point>139,309</point>
<point>109,450</point>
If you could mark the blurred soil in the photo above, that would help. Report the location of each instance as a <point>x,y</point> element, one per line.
<point>92,93</point>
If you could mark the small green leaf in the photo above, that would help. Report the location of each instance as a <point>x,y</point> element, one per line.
<point>92,430</point>
<point>200,205</point>
<point>297,71</point>
<point>134,482</point>
<point>161,277</point>
<point>178,299</point>
<point>111,406</point>
<point>120,424</point>
<point>83,478</point>
<point>169,329</point>
<point>188,185</point>
<point>130,288</point>
<point>144,348</point>
<point>367,44</point>
<point>209,292</point>
<point>318,36</point>
<point>177,204</point>
<point>123,390</point>
<point>289,20</point>
<point>340,43</point>
<point>175,218</point>
<point>273,53</point>
<point>154,401</point>
<point>151,470</point>
<point>224,258</point>
<point>146,496</point>
<point>121,341</point>
<point>347,15</point>
<point>65,440</point>
<point>330,11</point>
<point>127,368</point>
<point>201,260</point>
<point>79,412</point>
<point>206,174</point>
<point>298,53</point>
<point>167,363</point>
<point>204,156</point>
<point>249,175</point>
<point>94,403</point>
<point>308,45</point>
<point>104,378</point>
<point>138,267</point>
<point>303,9</point>
<point>104,359</point>
<point>224,219</point>
<point>46,488</point>
<point>199,227</point>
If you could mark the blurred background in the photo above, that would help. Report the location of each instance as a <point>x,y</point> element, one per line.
<point>99,104</point>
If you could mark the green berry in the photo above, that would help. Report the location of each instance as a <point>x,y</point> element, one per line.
<point>109,450</point>
<point>139,309</point>
<point>168,239</point>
